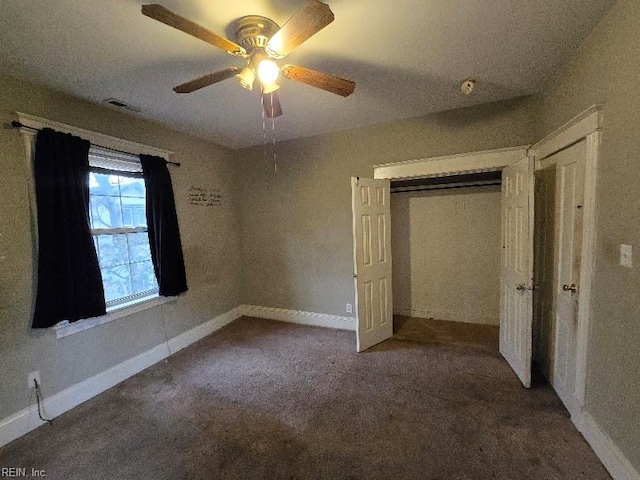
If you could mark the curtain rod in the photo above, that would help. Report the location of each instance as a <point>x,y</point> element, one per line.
<point>16,124</point>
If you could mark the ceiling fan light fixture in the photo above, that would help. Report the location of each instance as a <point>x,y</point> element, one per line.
<point>258,39</point>
<point>268,72</point>
<point>246,77</point>
<point>274,46</point>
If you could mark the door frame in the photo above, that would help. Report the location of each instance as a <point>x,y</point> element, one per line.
<point>468,163</point>
<point>586,126</point>
<point>459,164</point>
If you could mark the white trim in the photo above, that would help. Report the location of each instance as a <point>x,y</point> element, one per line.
<point>98,139</point>
<point>587,125</point>
<point>571,132</point>
<point>118,231</point>
<point>300,317</point>
<point>203,330</point>
<point>587,263</point>
<point>64,329</point>
<point>617,464</point>
<point>27,419</point>
<point>474,318</point>
<point>472,162</point>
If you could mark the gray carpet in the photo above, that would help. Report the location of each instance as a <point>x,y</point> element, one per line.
<point>428,330</point>
<point>267,400</point>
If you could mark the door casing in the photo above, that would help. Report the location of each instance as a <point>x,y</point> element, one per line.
<point>587,126</point>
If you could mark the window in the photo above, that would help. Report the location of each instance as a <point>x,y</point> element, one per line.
<point>119,227</point>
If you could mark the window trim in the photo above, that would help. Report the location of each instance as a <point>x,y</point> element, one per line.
<point>95,138</point>
<point>96,232</point>
<point>64,328</point>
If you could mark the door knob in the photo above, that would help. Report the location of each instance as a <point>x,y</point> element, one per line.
<point>521,287</point>
<point>573,288</point>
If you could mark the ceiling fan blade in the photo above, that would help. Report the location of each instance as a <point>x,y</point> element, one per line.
<point>306,22</point>
<point>330,83</point>
<point>161,14</point>
<point>271,105</point>
<point>206,80</point>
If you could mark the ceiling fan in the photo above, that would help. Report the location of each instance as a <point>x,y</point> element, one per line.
<point>261,41</point>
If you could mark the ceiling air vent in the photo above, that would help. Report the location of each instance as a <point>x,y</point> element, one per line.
<point>120,104</point>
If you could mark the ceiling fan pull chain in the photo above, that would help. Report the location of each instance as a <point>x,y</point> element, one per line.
<point>273,132</point>
<point>264,137</point>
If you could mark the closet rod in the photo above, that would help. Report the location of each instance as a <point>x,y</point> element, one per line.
<point>443,186</point>
<point>16,124</point>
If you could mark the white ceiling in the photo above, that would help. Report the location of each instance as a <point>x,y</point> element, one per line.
<point>407,57</point>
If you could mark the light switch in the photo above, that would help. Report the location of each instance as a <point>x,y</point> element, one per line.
<point>626,256</point>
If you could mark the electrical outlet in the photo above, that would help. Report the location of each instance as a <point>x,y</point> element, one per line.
<point>349,308</point>
<point>626,256</point>
<point>33,376</point>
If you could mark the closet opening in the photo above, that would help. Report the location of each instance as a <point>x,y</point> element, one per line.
<point>446,249</point>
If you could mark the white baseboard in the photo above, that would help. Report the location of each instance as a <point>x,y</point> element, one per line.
<point>301,317</point>
<point>607,451</point>
<point>27,419</point>
<point>448,316</point>
<point>191,336</point>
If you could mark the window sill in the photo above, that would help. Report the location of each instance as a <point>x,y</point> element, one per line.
<point>64,329</point>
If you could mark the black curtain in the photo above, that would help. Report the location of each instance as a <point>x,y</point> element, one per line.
<point>162,223</point>
<point>69,279</point>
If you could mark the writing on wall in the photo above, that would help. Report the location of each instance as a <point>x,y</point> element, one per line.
<point>204,196</point>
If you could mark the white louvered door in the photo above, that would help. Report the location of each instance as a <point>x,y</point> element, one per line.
<point>372,260</point>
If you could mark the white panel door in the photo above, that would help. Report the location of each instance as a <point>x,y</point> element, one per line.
<point>516,296</point>
<point>568,245</point>
<point>372,260</point>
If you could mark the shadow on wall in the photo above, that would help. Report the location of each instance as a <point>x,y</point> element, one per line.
<point>400,242</point>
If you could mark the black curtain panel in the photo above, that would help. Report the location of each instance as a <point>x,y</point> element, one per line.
<point>162,223</point>
<point>69,279</point>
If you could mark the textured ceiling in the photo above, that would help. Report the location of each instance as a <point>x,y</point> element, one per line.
<point>408,58</point>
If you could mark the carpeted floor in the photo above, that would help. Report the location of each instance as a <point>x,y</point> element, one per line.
<point>267,400</point>
<point>428,330</point>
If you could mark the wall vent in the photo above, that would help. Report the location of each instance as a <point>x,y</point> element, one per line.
<point>120,104</point>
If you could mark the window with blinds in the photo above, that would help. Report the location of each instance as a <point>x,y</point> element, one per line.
<point>119,227</point>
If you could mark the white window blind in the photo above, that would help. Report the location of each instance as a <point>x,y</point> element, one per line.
<point>110,160</point>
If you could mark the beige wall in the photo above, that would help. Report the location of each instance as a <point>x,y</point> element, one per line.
<point>296,222</point>
<point>443,241</point>
<point>607,70</point>
<point>209,236</point>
